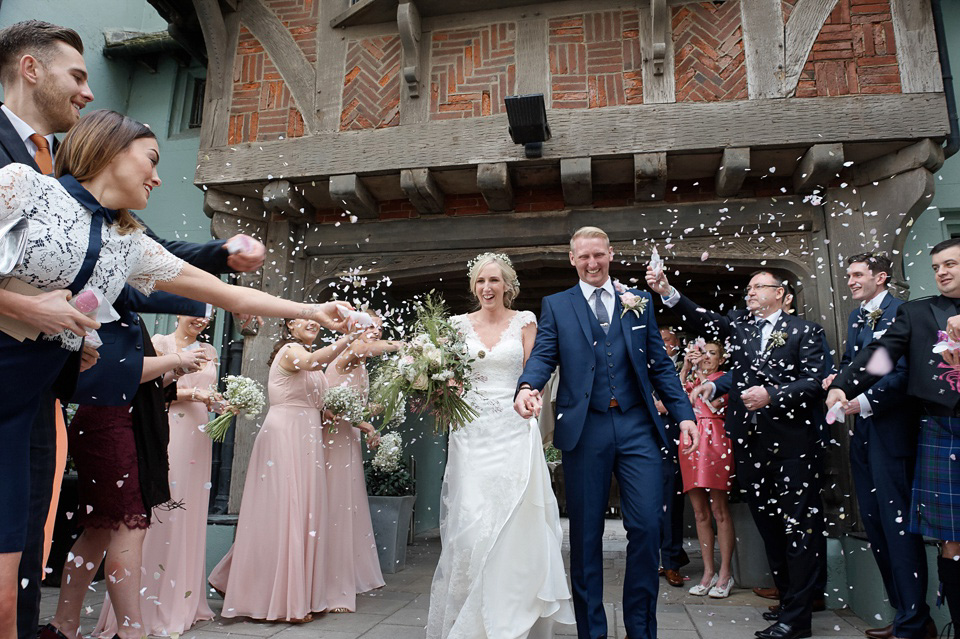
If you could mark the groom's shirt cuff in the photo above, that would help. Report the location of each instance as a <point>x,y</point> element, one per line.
<point>671,300</point>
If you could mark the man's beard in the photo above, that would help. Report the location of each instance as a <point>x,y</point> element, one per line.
<point>56,108</point>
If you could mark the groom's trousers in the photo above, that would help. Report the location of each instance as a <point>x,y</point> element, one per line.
<point>627,445</point>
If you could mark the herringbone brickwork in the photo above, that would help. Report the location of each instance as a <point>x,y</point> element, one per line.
<point>708,45</point>
<point>262,107</point>
<point>371,86</point>
<point>595,60</point>
<point>855,53</point>
<point>472,70</point>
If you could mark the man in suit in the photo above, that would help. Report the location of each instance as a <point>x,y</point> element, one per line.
<point>44,80</point>
<point>672,555</point>
<point>611,359</point>
<point>883,451</point>
<point>776,368</point>
<point>932,382</point>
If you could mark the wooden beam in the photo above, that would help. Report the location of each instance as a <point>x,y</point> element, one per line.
<point>285,54</point>
<point>408,23</point>
<point>596,133</point>
<point>216,201</point>
<point>917,54</point>
<point>763,47</point>
<point>659,19</point>
<point>818,166</point>
<point>279,196</point>
<point>650,176</point>
<point>422,189</point>
<point>733,171</point>
<point>802,28</point>
<point>659,83</point>
<point>576,178</point>
<point>925,153</point>
<point>493,180</point>
<point>350,193</point>
<point>508,230</point>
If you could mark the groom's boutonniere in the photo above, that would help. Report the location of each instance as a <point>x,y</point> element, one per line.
<point>777,339</point>
<point>629,301</point>
<point>873,317</point>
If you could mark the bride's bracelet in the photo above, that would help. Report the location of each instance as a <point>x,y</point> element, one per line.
<point>178,371</point>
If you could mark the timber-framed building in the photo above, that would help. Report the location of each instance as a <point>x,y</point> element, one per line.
<point>733,134</point>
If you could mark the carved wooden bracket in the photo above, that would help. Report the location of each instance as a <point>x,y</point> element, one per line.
<point>423,190</point>
<point>493,180</point>
<point>650,176</point>
<point>408,22</point>
<point>279,196</point>
<point>353,195</point>
<point>818,166</point>
<point>733,171</point>
<point>660,20</point>
<point>576,178</point>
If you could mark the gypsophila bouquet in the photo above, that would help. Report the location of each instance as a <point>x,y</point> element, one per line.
<point>431,370</point>
<point>346,402</point>
<point>244,396</point>
<point>387,474</point>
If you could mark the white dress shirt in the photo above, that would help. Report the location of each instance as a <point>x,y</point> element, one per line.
<point>606,297</point>
<point>24,130</point>
<point>767,329</point>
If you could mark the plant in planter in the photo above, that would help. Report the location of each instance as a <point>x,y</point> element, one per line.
<point>391,493</point>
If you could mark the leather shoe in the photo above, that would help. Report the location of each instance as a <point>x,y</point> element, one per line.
<point>781,630</point>
<point>767,593</point>
<point>773,614</point>
<point>674,578</point>
<point>819,605</point>
<point>49,631</point>
<point>887,631</point>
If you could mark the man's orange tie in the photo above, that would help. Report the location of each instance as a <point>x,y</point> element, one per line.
<point>42,157</point>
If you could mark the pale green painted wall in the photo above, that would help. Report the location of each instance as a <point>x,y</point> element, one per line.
<point>175,208</point>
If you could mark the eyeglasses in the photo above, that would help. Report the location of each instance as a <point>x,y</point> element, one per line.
<point>757,287</point>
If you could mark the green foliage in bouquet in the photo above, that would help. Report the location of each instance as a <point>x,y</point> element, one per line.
<point>432,371</point>
<point>551,454</point>
<point>387,474</point>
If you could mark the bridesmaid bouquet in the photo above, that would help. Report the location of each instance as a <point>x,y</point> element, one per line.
<point>432,370</point>
<point>244,396</point>
<point>387,474</point>
<point>345,402</point>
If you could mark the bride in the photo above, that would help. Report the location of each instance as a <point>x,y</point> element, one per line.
<point>500,572</point>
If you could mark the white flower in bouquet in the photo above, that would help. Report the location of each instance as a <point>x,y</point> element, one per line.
<point>244,396</point>
<point>346,402</point>
<point>388,457</point>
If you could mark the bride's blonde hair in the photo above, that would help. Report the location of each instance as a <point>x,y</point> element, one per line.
<point>510,281</point>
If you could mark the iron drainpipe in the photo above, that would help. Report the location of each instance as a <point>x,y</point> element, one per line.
<point>953,138</point>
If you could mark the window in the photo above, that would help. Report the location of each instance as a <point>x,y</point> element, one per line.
<point>196,103</point>
<point>186,112</point>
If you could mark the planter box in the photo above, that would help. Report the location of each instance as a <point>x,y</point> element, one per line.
<point>750,567</point>
<point>391,524</point>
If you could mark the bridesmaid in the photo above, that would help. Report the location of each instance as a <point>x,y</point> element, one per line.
<point>706,472</point>
<point>275,569</point>
<point>174,550</point>
<point>352,565</point>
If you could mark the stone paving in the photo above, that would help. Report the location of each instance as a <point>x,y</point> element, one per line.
<point>399,610</point>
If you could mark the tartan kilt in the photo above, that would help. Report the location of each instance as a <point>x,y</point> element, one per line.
<point>935,500</point>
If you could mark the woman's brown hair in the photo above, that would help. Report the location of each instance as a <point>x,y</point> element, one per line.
<point>286,337</point>
<point>92,143</point>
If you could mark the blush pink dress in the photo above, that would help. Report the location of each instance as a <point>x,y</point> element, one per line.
<point>352,565</point>
<point>174,549</point>
<point>711,465</point>
<point>275,569</point>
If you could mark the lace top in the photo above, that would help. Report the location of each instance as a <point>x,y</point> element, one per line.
<point>58,237</point>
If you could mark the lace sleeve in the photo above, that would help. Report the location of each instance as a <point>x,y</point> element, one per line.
<point>526,318</point>
<point>156,264</point>
<point>16,180</point>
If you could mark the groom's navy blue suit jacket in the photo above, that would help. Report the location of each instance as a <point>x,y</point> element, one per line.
<point>565,337</point>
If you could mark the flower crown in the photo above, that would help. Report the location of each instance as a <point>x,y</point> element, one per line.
<point>500,257</point>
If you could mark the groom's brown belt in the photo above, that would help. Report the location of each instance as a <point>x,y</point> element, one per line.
<point>613,402</point>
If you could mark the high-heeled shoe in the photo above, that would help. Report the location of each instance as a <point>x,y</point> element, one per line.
<point>722,592</point>
<point>700,590</point>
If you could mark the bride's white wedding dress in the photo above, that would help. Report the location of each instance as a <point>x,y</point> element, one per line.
<point>500,574</point>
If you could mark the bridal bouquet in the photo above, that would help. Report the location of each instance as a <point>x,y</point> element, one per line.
<point>346,402</point>
<point>432,370</point>
<point>244,396</point>
<point>387,474</point>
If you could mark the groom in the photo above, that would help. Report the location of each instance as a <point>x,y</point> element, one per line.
<point>611,359</point>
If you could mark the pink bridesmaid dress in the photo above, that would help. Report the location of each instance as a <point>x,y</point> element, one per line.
<point>352,565</point>
<point>275,569</point>
<point>711,464</point>
<point>174,550</point>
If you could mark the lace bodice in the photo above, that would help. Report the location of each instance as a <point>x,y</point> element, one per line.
<point>496,371</point>
<point>58,237</point>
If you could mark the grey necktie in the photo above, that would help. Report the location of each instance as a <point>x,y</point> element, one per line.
<point>761,324</point>
<point>601,310</point>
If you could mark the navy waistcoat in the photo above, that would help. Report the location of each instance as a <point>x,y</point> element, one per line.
<point>614,377</point>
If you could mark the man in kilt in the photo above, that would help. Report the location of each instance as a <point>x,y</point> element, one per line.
<point>934,381</point>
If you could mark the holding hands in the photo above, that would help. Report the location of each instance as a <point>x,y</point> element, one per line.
<point>528,403</point>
